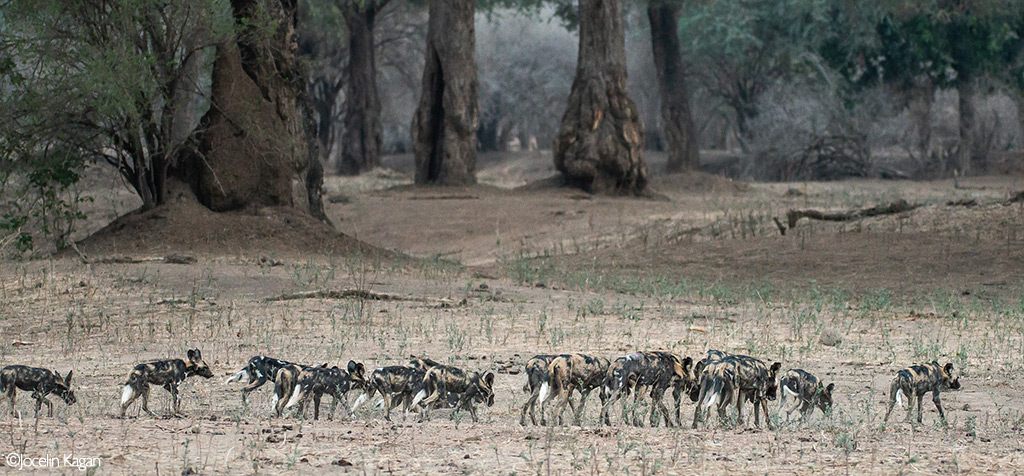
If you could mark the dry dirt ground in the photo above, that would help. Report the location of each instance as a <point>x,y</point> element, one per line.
<point>506,273</point>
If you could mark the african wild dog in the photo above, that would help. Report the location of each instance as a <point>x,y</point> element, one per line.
<point>917,380</point>
<point>315,382</point>
<point>566,373</point>
<point>536,368</point>
<point>168,373</point>
<point>752,380</point>
<point>395,383</point>
<point>716,389</point>
<point>639,373</point>
<point>259,370</point>
<point>808,390</point>
<point>285,383</point>
<point>442,380</point>
<point>41,382</point>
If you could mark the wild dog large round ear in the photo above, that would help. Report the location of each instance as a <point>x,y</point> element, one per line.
<point>948,368</point>
<point>193,355</point>
<point>829,388</point>
<point>776,366</point>
<point>687,362</point>
<point>67,379</point>
<point>489,378</point>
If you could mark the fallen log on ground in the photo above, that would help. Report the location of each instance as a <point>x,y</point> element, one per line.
<point>898,206</point>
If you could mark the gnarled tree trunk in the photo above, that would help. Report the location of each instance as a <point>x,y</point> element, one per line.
<point>599,146</point>
<point>361,141</point>
<point>679,130</point>
<point>445,124</point>
<point>258,141</point>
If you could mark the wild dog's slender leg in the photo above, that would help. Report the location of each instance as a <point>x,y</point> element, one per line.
<point>316,405</point>
<point>529,406</point>
<point>604,417</point>
<point>700,401</point>
<point>253,386</point>
<point>175,403</point>
<point>738,398</point>
<point>11,391</point>
<point>657,399</point>
<point>387,405</point>
<point>893,388</point>
<point>764,409</point>
<point>638,396</point>
<point>578,411</point>
<point>920,408</point>
<point>938,405</point>
<point>143,392</point>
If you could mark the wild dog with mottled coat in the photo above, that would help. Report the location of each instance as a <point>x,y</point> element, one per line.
<point>316,381</point>
<point>259,370</point>
<point>285,384</point>
<point>168,373</point>
<point>917,380</point>
<point>716,389</point>
<point>536,368</point>
<point>639,373</point>
<point>41,382</point>
<point>395,383</point>
<point>753,380</point>
<point>808,391</point>
<point>566,373</point>
<point>471,387</point>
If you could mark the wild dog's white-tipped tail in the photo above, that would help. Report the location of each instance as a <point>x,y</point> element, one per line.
<point>544,390</point>
<point>238,376</point>
<point>359,401</point>
<point>418,398</point>
<point>379,404</point>
<point>274,399</point>
<point>789,393</point>
<point>126,394</point>
<point>711,400</point>
<point>899,399</point>
<point>296,395</point>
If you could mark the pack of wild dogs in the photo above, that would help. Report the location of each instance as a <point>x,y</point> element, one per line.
<point>715,382</point>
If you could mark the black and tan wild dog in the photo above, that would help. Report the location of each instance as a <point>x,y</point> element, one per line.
<point>752,380</point>
<point>536,368</point>
<point>715,389</point>
<point>41,382</point>
<point>808,391</point>
<point>168,373</point>
<point>566,373</point>
<point>259,371</point>
<point>395,383</point>
<point>285,384</point>
<point>917,380</point>
<point>644,373</point>
<point>442,380</point>
<point>316,381</point>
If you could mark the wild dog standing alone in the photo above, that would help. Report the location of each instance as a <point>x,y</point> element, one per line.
<point>395,383</point>
<point>41,382</point>
<point>472,388</point>
<point>315,382</point>
<point>917,380</point>
<point>259,370</point>
<point>641,372</point>
<point>808,390</point>
<point>168,373</point>
<point>566,373</point>
<point>536,368</point>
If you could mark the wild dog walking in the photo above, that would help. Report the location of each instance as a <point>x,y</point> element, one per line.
<point>395,383</point>
<point>41,382</point>
<point>917,380</point>
<point>536,368</point>
<point>315,382</point>
<point>472,388</point>
<point>168,373</point>
<point>285,385</point>
<point>259,371</point>
<point>640,373</point>
<point>716,389</point>
<point>751,380</point>
<point>808,391</point>
<point>566,373</point>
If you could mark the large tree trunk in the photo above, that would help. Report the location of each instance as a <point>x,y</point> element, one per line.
<point>599,146</point>
<point>257,146</point>
<point>678,127</point>
<point>921,99</point>
<point>361,142</point>
<point>445,124</point>
<point>968,128</point>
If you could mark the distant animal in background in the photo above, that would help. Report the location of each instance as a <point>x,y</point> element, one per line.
<point>917,380</point>
<point>41,382</point>
<point>809,393</point>
<point>535,369</point>
<point>167,373</point>
<point>315,382</point>
<point>565,373</point>
<point>259,370</point>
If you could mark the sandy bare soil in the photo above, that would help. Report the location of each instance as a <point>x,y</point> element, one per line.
<point>510,272</point>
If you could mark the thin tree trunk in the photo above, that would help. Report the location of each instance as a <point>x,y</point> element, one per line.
<point>361,142</point>
<point>445,124</point>
<point>922,98</point>
<point>599,146</point>
<point>968,126</point>
<point>677,120</point>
